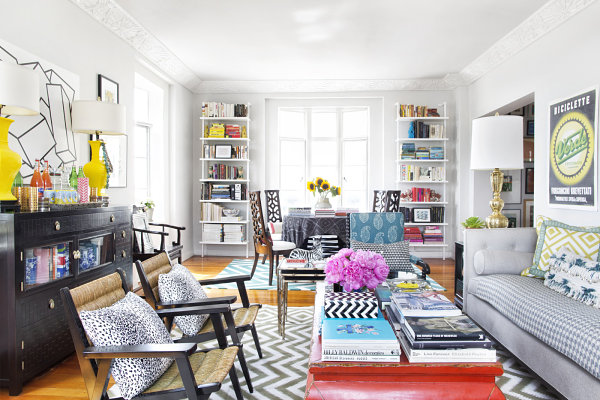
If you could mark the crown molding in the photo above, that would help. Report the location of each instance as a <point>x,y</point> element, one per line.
<point>544,20</point>
<point>116,19</point>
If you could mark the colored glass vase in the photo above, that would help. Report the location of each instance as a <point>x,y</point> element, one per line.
<point>10,162</point>
<point>95,170</point>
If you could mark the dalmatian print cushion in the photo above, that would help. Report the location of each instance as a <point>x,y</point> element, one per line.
<point>129,321</point>
<point>180,285</point>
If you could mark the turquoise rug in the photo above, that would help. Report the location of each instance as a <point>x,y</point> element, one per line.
<point>260,281</point>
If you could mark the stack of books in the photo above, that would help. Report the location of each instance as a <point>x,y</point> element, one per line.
<point>212,191</point>
<point>408,151</point>
<point>436,153</point>
<point>212,233</point>
<point>222,171</point>
<point>211,212</point>
<point>358,339</point>
<point>427,131</point>
<point>233,131</point>
<point>325,212</point>
<point>413,234</point>
<point>432,329</point>
<point>216,110</point>
<point>342,212</point>
<point>409,172</point>
<point>422,153</point>
<point>432,234</point>
<point>300,211</point>
<point>234,233</point>
<point>216,130</point>
<point>410,110</point>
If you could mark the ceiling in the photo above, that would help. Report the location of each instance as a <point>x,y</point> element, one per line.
<point>241,40</point>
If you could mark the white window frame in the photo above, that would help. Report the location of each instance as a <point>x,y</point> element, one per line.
<point>148,127</point>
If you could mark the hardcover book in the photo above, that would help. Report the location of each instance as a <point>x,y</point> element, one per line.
<point>358,333</point>
<point>351,305</point>
<point>424,304</point>
<point>458,327</point>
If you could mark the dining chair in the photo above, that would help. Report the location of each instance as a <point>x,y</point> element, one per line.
<point>392,201</point>
<point>274,218</point>
<point>263,243</point>
<point>194,374</point>
<point>379,200</point>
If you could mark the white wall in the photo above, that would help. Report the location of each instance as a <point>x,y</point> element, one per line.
<point>383,141</point>
<point>562,63</point>
<point>61,33</point>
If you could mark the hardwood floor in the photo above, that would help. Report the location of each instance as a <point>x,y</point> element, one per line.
<point>65,382</point>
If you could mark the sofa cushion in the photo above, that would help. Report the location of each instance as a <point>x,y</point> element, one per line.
<point>554,234</point>
<point>487,262</point>
<point>396,255</point>
<point>570,327</point>
<point>573,264</point>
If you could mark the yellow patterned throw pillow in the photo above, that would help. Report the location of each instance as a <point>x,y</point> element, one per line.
<point>553,235</point>
<point>538,225</point>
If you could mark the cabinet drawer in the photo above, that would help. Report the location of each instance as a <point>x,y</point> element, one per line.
<point>48,226</point>
<point>123,253</point>
<point>123,235</point>
<point>42,305</point>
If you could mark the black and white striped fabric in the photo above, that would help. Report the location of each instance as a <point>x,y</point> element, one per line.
<point>570,327</point>
<point>350,305</point>
<point>396,255</point>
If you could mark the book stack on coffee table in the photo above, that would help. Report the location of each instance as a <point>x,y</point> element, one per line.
<point>431,329</point>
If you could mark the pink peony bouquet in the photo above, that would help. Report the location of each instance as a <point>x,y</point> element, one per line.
<point>355,269</point>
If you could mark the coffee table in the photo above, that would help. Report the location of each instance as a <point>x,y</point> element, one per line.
<point>403,380</point>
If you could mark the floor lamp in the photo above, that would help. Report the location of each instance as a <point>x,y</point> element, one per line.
<point>497,143</point>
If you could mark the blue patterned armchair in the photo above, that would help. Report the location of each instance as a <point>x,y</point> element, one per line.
<point>382,228</point>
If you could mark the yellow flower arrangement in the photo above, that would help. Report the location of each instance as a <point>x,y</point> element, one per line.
<point>323,188</point>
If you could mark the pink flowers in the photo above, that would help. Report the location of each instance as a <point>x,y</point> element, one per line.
<point>353,270</point>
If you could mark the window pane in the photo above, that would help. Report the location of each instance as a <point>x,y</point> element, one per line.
<point>355,152</point>
<point>292,198</point>
<point>355,123</point>
<point>354,199</point>
<point>292,123</point>
<point>141,100</point>
<point>292,178</point>
<point>292,153</point>
<point>328,173</point>
<point>141,141</point>
<point>141,173</point>
<point>355,178</point>
<point>324,124</point>
<point>324,153</point>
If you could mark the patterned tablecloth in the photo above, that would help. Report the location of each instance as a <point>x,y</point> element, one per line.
<point>299,229</point>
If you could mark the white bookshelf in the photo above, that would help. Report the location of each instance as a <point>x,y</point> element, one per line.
<point>205,162</point>
<point>440,186</point>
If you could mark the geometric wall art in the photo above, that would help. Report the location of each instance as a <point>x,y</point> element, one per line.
<point>48,135</point>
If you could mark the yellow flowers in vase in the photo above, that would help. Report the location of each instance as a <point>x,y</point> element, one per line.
<point>323,189</point>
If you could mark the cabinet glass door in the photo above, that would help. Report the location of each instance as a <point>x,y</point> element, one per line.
<point>47,263</point>
<point>96,251</point>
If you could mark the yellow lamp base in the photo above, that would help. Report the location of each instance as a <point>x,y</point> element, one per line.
<point>95,170</point>
<point>10,162</point>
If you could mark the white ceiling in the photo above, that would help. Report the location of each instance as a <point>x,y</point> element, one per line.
<point>334,39</point>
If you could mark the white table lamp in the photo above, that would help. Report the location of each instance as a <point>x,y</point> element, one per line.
<point>497,143</point>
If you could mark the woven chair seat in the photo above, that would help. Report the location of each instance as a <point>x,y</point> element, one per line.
<point>241,316</point>
<point>211,367</point>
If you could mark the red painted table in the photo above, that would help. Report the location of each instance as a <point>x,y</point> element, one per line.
<point>403,380</point>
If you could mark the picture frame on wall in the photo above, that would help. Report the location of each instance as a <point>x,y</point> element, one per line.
<point>514,217</point>
<point>223,151</point>
<point>511,189</point>
<point>530,130</point>
<point>529,175</point>
<point>116,146</point>
<point>421,215</point>
<point>529,217</point>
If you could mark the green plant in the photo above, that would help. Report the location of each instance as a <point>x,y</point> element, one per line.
<point>473,223</point>
<point>147,204</point>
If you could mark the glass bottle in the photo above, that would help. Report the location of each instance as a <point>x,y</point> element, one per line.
<point>73,177</point>
<point>36,179</point>
<point>18,182</point>
<point>46,177</point>
<point>81,174</point>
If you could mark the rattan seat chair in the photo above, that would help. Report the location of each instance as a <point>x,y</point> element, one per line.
<point>243,317</point>
<point>195,374</point>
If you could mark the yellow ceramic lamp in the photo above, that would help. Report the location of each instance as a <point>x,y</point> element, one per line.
<point>95,170</point>
<point>97,118</point>
<point>19,95</point>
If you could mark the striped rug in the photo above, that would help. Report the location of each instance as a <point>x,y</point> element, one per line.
<point>281,373</point>
<point>260,281</point>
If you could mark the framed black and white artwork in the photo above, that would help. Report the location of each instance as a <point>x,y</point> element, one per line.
<point>223,151</point>
<point>421,214</point>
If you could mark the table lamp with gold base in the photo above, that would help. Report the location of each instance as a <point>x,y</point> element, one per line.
<point>497,143</point>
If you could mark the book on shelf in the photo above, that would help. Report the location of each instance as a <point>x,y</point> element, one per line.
<point>422,153</point>
<point>408,151</point>
<point>358,333</point>
<point>224,171</point>
<point>458,355</point>
<point>211,212</point>
<point>413,173</point>
<point>436,153</point>
<point>457,327</point>
<point>424,304</point>
<point>219,191</point>
<point>237,152</point>
<point>413,234</point>
<point>216,109</point>
<point>432,234</point>
<point>342,212</point>
<point>411,110</point>
<point>422,130</point>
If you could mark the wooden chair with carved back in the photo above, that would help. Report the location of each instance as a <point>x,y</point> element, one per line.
<point>263,243</point>
<point>379,200</point>
<point>195,374</point>
<point>392,201</point>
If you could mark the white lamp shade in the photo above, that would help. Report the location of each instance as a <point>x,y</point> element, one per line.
<point>101,117</point>
<point>497,142</point>
<point>19,90</point>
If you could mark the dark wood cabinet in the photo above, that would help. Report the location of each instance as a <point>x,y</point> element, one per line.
<point>39,254</point>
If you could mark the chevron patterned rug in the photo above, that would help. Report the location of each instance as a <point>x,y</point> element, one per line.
<point>260,281</point>
<point>281,373</point>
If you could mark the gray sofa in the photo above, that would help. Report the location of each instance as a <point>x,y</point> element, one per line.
<point>556,336</point>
